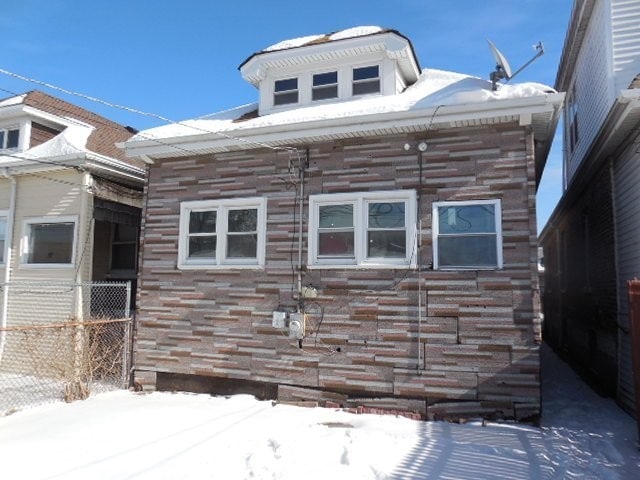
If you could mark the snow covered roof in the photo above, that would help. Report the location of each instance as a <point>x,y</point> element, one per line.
<point>82,134</point>
<point>439,99</point>
<point>350,43</point>
<point>435,88</point>
<point>324,37</point>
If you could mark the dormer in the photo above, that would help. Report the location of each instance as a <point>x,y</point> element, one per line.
<point>338,67</point>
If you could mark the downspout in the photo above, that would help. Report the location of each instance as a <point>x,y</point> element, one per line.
<point>419,258</point>
<point>302,164</point>
<point>8,248</point>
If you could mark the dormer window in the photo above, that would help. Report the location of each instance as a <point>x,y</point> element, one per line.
<point>9,138</point>
<point>285,91</point>
<point>325,86</point>
<point>366,80</point>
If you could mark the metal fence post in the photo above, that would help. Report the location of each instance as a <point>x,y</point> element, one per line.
<point>634,333</point>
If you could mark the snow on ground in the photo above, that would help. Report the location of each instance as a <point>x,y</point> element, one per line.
<point>122,435</point>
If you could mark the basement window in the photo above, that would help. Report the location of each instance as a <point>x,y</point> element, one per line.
<point>222,233</point>
<point>467,235</point>
<point>285,91</point>
<point>370,229</point>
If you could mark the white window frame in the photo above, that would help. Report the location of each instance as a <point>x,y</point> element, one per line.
<point>26,235</point>
<point>355,82</point>
<point>360,200</point>
<point>571,119</point>
<point>498,233</point>
<point>324,86</point>
<point>5,137</point>
<point>4,215</point>
<point>222,207</point>
<point>277,93</point>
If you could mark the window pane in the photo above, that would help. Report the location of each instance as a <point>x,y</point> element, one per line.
<point>468,251</point>
<point>202,247</point>
<point>285,98</point>
<point>366,87</point>
<point>242,246</point>
<point>335,244</point>
<point>202,222</point>
<point>12,138</point>
<point>364,73</point>
<point>3,230</point>
<point>50,243</point>
<point>123,256</point>
<point>387,243</point>
<point>336,216</point>
<point>386,215</point>
<point>2,135</point>
<point>125,233</point>
<point>323,93</point>
<point>287,84</point>
<point>243,220</point>
<point>325,78</point>
<point>467,219</point>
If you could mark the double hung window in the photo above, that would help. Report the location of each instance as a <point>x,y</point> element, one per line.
<point>370,229</point>
<point>467,235</point>
<point>9,138</point>
<point>222,233</point>
<point>366,80</point>
<point>325,86</point>
<point>285,91</point>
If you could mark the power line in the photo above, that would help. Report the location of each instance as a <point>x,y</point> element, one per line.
<point>141,112</point>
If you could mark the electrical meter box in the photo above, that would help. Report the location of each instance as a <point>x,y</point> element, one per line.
<point>279,320</point>
<point>296,325</point>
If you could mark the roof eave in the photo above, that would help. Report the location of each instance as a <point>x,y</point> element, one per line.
<point>622,121</point>
<point>396,122</point>
<point>254,68</point>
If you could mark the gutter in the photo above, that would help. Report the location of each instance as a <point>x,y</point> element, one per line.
<point>346,126</point>
<point>8,247</point>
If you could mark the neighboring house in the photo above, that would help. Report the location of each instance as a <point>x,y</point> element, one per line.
<point>70,206</point>
<point>591,241</point>
<point>364,234</point>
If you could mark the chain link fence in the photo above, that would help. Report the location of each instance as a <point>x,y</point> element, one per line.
<point>62,341</point>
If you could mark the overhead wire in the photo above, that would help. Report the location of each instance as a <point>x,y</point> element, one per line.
<point>140,112</point>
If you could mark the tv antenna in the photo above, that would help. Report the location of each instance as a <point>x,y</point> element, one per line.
<point>503,69</point>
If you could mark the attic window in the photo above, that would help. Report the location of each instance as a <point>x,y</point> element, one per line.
<point>325,86</point>
<point>285,91</point>
<point>366,80</point>
<point>9,138</point>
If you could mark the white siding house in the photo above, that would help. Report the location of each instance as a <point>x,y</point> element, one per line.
<point>593,235</point>
<point>62,181</point>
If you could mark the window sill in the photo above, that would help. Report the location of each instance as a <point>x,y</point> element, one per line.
<point>363,266</point>
<point>220,267</point>
<point>47,265</point>
<point>468,269</point>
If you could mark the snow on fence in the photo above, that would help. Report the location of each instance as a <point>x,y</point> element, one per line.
<point>62,341</point>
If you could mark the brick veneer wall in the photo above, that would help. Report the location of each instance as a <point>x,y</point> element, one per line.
<point>480,329</point>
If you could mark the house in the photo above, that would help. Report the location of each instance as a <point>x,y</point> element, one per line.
<point>364,235</point>
<point>591,240</point>
<point>70,207</point>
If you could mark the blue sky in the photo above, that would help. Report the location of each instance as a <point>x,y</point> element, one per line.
<point>180,59</point>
